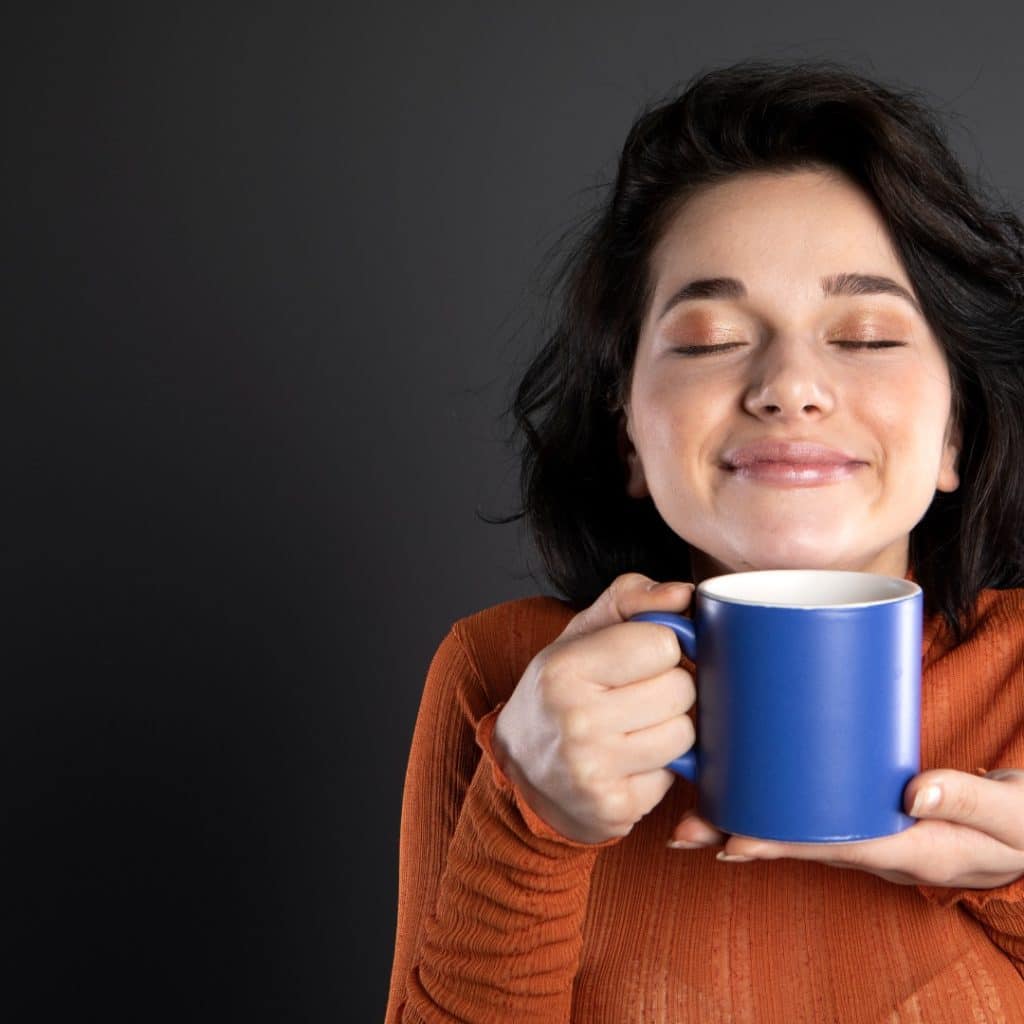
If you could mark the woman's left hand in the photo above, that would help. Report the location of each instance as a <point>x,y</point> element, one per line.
<point>971,836</point>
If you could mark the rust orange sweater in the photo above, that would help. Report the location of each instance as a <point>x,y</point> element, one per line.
<point>502,919</point>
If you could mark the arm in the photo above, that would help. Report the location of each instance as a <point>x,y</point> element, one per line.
<point>967,848</point>
<point>1000,910</point>
<point>491,900</point>
<point>982,696</point>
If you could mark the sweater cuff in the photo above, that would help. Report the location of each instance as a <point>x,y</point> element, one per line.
<point>1000,911</point>
<point>532,822</point>
<point>1009,896</point>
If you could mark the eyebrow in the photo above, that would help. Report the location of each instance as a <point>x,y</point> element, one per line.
<point>836,284</point>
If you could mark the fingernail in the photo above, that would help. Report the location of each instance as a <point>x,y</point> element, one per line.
<point>733,858</point>
<point>925,801</point>
<point>684,844</point>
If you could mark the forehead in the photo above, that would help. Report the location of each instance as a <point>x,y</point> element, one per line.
<point>776,231</point>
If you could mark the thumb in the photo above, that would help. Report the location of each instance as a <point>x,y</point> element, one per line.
<point>991,804</point>
<point>628,595</point>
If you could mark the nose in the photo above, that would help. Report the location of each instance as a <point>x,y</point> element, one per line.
<point>788,382</point>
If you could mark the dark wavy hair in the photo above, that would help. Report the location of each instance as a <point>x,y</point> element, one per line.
<point>961,251</point>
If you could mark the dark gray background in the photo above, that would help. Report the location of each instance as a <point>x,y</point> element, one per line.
<point>270,272</point>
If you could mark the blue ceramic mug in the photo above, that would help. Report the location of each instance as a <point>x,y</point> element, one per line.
<point>808,702</point>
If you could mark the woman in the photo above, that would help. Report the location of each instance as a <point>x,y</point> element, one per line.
<point>793,338</point>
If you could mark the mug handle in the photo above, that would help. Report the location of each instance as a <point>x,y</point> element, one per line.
<point>687,637</point>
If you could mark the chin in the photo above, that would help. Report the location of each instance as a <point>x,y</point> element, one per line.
<point>798,546</point>
<point>788,556</point>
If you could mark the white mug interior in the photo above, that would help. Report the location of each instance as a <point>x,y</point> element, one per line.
<point>808,588</point>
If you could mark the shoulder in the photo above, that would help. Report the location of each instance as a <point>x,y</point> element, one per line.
<point>1001,606</point>
<point>499,641</point>
<point>996,627</point>
<point>520,619</point>
<point>999,613</point>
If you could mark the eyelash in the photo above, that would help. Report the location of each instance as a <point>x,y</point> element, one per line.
<point>869,344</point>
<point>701,350</point>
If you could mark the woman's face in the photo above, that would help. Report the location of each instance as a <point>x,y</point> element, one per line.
<point>792,410</point>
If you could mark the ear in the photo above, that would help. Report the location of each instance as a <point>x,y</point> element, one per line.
<point>949,475</point>
<point>636,481</point>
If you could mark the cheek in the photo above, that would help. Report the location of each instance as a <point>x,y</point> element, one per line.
<point>912,424</point>
<point>675,423</point>
<point>656,412</point>
<point>678,399</point>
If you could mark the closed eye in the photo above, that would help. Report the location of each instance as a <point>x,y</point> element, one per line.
<point>853,345</point>
<point>703,350</point>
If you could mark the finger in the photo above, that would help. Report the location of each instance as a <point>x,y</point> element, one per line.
<point>930,851</point>
<point>647,789</point>
<point>967,799</point>
<point>627,596</point>
<point>641,704</point>
<point>858,854</point>
<point>938,853</point>
<point>693,832</point>
<point>627,652</point>
<point>993,805</point>
<point>654,747</point>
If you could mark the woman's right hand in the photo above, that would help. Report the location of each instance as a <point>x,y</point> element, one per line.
<point>598,714</point>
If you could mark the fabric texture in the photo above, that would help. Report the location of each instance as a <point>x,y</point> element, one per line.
<point>500,918</point>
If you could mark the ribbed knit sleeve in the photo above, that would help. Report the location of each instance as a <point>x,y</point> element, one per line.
<point>981,694</point>
<point>501,918</point>
<point>491,899</point>
<point>1001,912</point>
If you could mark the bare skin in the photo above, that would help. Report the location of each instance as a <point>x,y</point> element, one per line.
<point>587,747</point>
<point>782,354</point>
<point>599,713</point>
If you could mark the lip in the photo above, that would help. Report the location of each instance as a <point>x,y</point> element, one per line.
<point>791,463</point>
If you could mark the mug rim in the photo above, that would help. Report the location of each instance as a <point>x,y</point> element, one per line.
<point>903,589</point>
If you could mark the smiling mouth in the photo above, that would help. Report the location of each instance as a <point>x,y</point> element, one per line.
<point>794,474</point>
<point>790,462</point>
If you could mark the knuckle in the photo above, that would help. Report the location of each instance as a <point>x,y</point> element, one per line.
<point>679,688</point>
<point>624,585</point>
<point>615,807</point>
<point>961,801</point>
<point>554,674</point>
<point>629,581</point>
<point>685,689</point>
<point>584,771</point>
<point>667,645</point>
<point>687,733</point>
<point>577,724</point>
<point>618,814</point>
<point>540,663</point>
<point>611,605</point>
